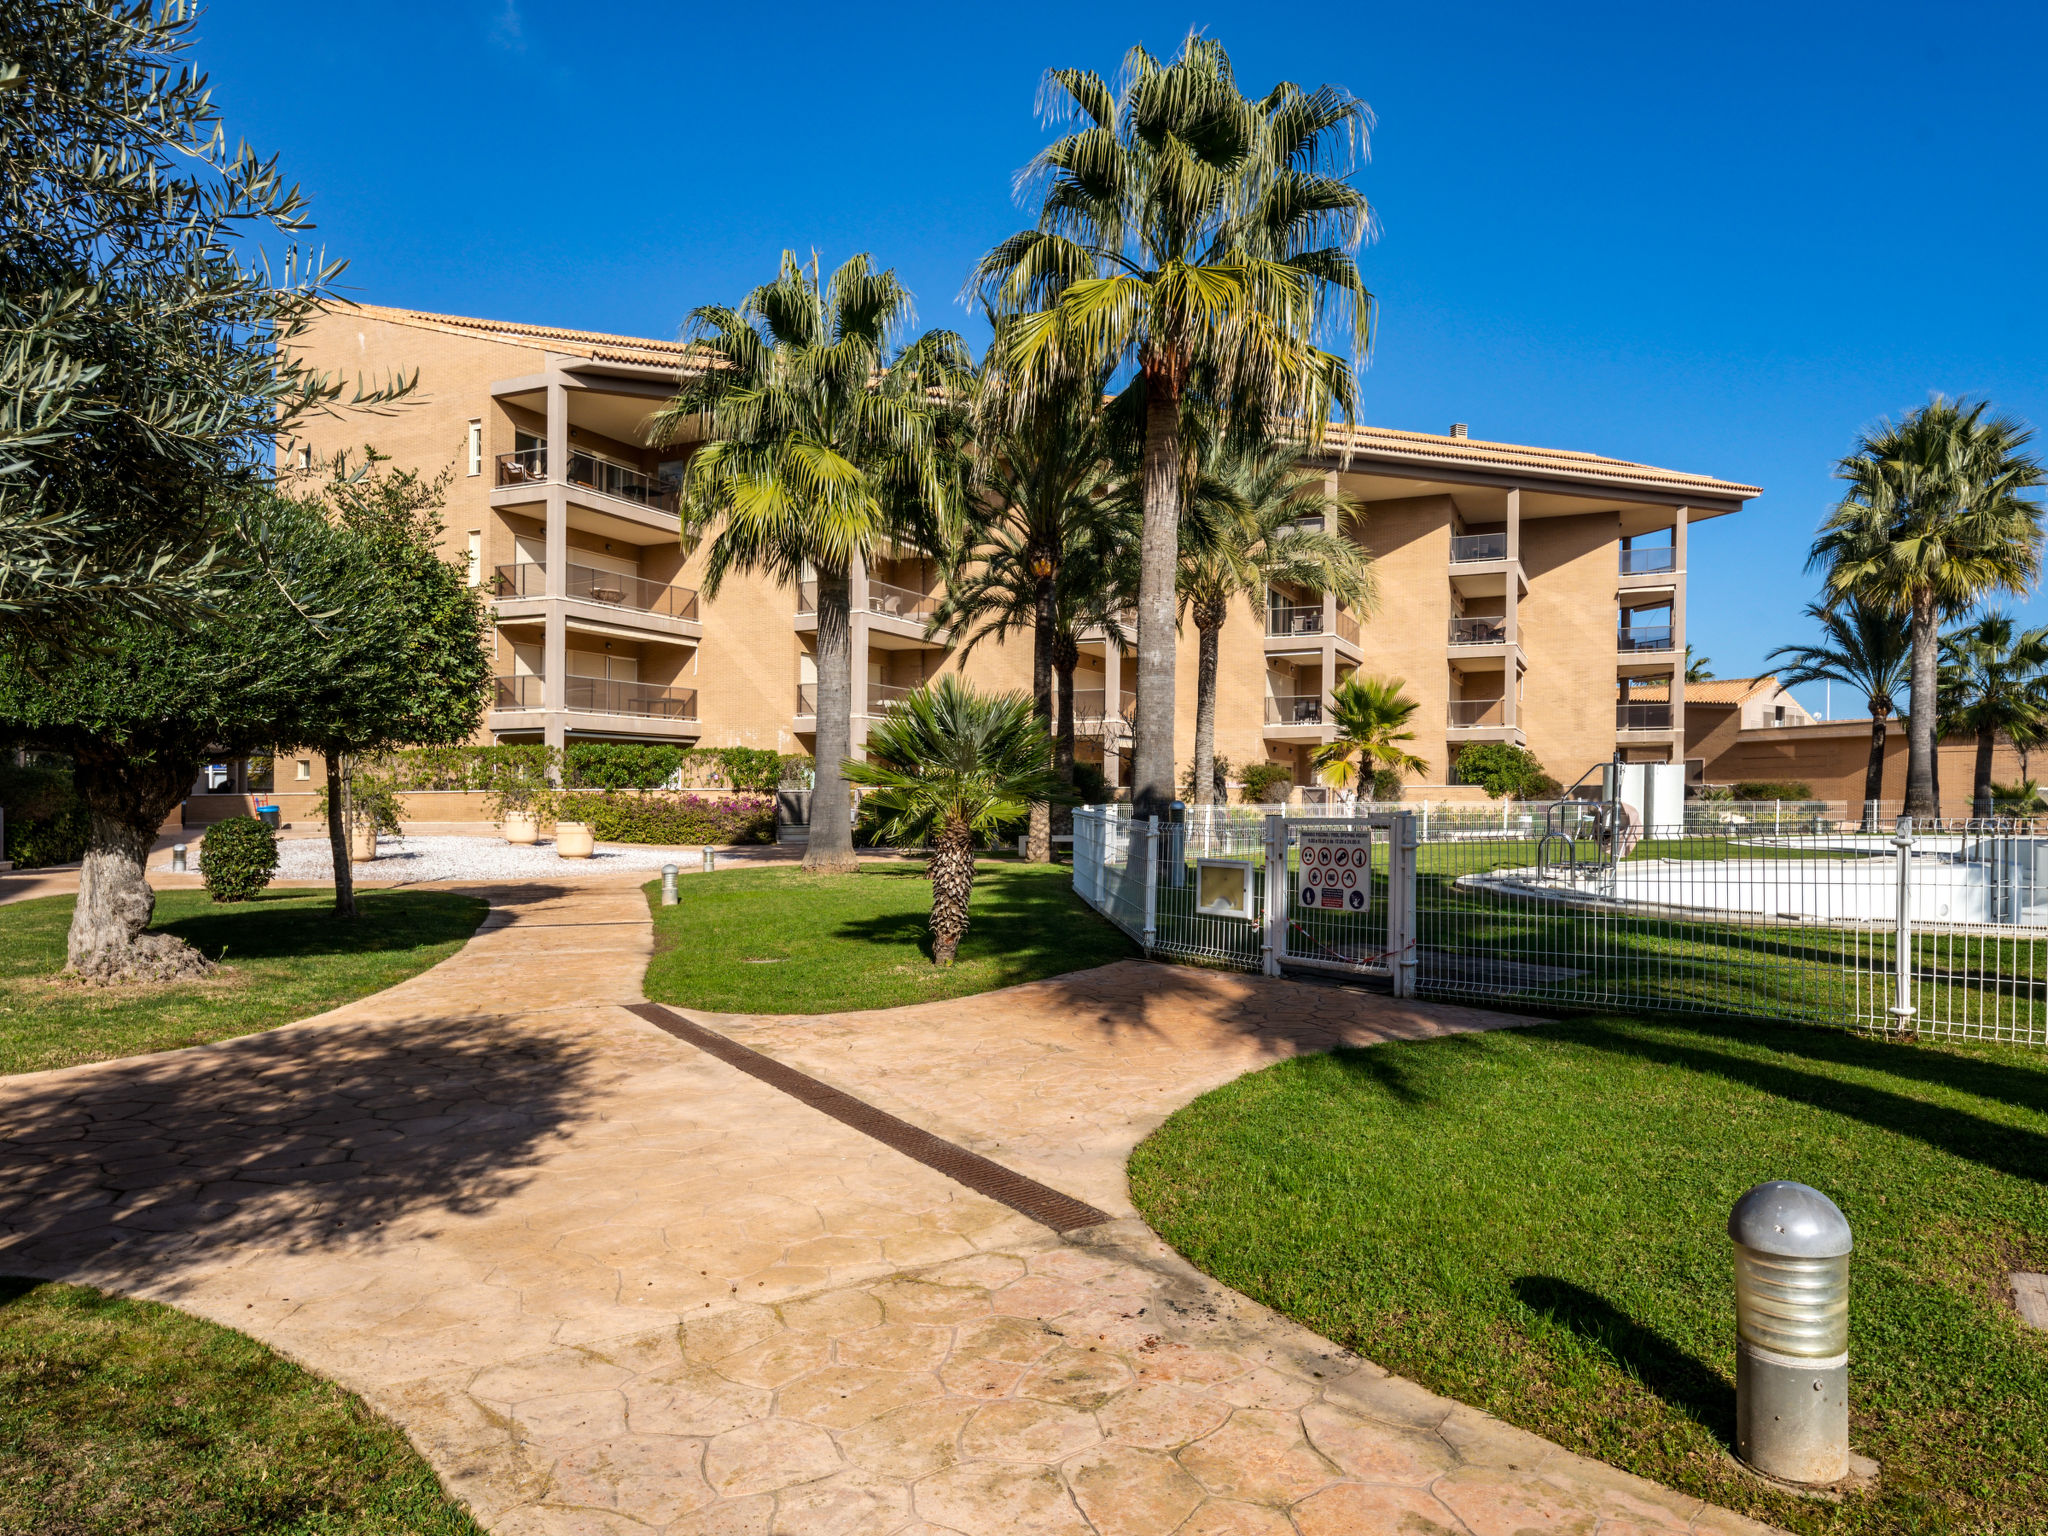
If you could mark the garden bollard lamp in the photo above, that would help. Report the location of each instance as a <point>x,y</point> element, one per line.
<point>177,858</point>
<point>668,885</point>
<point>710,861</point>
<point>1792,1333</point>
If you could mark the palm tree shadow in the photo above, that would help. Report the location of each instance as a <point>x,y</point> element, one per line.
<point>1684,1381</point>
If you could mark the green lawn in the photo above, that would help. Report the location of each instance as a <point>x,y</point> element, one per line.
<point>287,957</point>
<point>781,941</point>
<point>122,1417</point>
<point>1533,1222</point>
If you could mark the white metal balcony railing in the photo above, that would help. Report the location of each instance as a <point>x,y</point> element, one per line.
<point>529,466</point>
<point>614,589</point>
<point>1472,714</point>
<point>1647,562</point>
<point>598,696</point>
<point>1642,717</point>
<point>1294,709</point>
<point>1482,630</point>
<point>1644,637</point>
<point>1090,705</point>
<point>1468,547</point>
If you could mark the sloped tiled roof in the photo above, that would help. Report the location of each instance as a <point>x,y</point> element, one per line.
<point>1477,453</point>
<point>600,346</point>
<point>1711,690</point>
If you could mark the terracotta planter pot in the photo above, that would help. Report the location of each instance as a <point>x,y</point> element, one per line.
<point>573,840</point>
<point>521,828</point>
<point>362,844</point>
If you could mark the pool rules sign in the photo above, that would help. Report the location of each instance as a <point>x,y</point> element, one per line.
<point>1336,869</point>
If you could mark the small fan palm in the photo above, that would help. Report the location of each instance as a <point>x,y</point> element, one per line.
<point>2001,676</point>
<point>1370,714</point>
<point>1865,647</point>
<point>948,764</point>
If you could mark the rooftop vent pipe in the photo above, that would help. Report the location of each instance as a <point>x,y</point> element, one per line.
<point>1457,429</point>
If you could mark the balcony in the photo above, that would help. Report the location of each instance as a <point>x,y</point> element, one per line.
<point>1644,638</point>
<point>1297,619</point>
<point>612,589</point>
<point>1648,562</point>
<point>1642,717</point>
<point>516,693</point>
<point>890,601</point>
<point>643,701</point>
<point>1294,709</point>
<point>882,698</point>
<point>1476,714</point>
<point>529,466</point>
<point>1469,547</point>
<point>1479,631</point>
<point>1091,706</point>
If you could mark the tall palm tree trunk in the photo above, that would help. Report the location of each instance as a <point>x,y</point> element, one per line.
<point>1873,772</point>
<point>1065,657</point>
<point>1920,786</point>
<point>1044,619</point>
<point>1158,567</point>
<point>1987,741</point>
<point>1209,627</point>
<point>830,849</point>
<point>952,872</point>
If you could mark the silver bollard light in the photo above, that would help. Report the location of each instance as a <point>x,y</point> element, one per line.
<point>668,884</point>
<point>1792,1333</point>
<point>710,861</point>
<point>177,858</point>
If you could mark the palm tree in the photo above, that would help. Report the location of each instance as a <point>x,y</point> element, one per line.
<point>1203,240</point>
<point>1244,535</point>
<point>2001,677</point>
<point>945,766</point>
<point>1369,714</point>
<point>1696,666</point>
<point>1863,647</point>
<point>1043,535</point>
<point>821,450</point>
<point>1935,518</point>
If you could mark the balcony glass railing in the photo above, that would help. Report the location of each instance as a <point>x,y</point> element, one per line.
<point>1294,619</point>
<point>517,693</point>
<point>1478,546</point>
<point>901,602</point>
<point>1642,717</point>
<point>616,589</point>
<point>807,700</point>
<point>1646,562</point>
<point>1479,631</point>
<point>1294,709</point>
<point>1091,703</point>
<point>1471,714</point>
<point>1644,638</point>
<point>645,701</point>
<point>529,466</point>
<point>883,697</point>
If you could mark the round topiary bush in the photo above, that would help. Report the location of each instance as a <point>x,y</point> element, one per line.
<point>237,858</point>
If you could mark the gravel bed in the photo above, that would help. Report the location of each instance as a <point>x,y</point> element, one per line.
<point>405,860</point>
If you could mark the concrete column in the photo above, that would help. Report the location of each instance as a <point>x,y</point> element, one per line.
<point>1678,528</point>
<point>1511,604</point>
<point>1329,667</point>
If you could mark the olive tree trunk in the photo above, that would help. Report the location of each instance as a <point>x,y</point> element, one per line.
<point>1038,830</point>
<point>337,837</point>
<point>952,872</point>
<point>127,802</point>
<point>830,848</point>
<point>1920,787</point>
<point>1158,569</point>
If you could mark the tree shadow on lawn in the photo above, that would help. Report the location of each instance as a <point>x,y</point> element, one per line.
<point>2006,1149</point>
<point>1683,1380</point>
<point>281,925</point>
<point>297,1138</point>
<point>1025,931</point>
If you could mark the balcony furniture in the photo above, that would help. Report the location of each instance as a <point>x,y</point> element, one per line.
<point>1289,620</point>
<point>1479,631</point>
<point>1294,709</point>
<point>528,578</point>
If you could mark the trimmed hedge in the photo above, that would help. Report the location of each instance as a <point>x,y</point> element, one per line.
<point>237,857</point>
<point>46,820</point>
<point>1773,789</point>
<point>629,817</point>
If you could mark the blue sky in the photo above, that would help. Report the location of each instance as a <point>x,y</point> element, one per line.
<point>1719,239</point>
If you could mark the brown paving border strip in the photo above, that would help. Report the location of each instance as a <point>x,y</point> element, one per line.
<point>1028,1197</point>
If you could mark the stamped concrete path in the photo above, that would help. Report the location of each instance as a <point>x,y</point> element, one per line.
<point>610,1284</point>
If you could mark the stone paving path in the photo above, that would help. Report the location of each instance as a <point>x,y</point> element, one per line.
<point>609,1284</point>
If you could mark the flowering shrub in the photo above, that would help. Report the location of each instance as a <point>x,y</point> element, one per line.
<point>624,817</point>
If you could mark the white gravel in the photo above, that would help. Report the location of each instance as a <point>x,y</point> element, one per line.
<point>406,860</point>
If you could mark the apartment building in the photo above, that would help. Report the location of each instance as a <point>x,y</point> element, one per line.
<point>1529,595</point>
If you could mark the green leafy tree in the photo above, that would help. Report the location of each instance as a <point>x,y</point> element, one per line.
<point>2000,675</point>
<point>1863,646</point>
<point>146,336</point>
<point>950,764</point>
<point>1202,240</point>
<point>1937,516</point>
<point>1371,716</point>
<point>822,450</point>
<point>1247,531</point>
<point>1040,556</point>
<point>1503,769</point>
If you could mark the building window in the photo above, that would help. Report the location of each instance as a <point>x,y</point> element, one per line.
<point>305,770</point>
<point>306,456</point>
<point>476,556</point>
<point>476,448</point>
